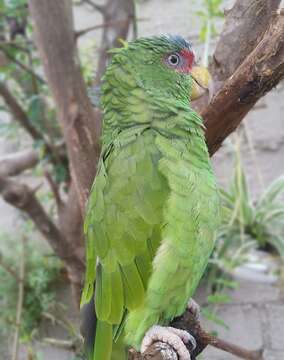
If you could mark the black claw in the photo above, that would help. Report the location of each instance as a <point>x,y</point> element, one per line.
<point>193,343</point>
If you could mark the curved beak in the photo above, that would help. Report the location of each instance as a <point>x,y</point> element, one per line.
<point>201,82</point>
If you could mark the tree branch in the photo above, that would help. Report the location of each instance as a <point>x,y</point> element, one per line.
<point>79,33</point>
<point>21,117</point>
<point>22,197</point>
<point>244,26</point>
<point>15,44</point>
<point>23,66</point>
<point>18,112</point>
<point>162,351</point>
<point>259,73</point>
<point>242,30</point>
<point>95,6</point>
<point>14,164</point>
<point>8,269</point>
<point>55,190</point>
<point>100,26</point>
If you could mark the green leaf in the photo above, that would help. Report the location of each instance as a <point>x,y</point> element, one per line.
<point>272,192</point>
<point>203,32</point>
<point>36,110</point>
<point>227,283</point>
<point>218,298</point>
<point>209,315</point>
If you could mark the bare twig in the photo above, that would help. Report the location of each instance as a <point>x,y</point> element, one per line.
<point>65,323</point>
<point>54,188</point>
<point>8,269</point>
<point>95,6</point>
<point>20,301</point>
<point>16,44</point>
<point>82,32</point>
<point>63,344</point>
<point>18,112</point>
<point>21,117</point>
<point>23,66</point>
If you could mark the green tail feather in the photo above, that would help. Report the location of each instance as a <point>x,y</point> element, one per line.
<point>119,351</point>
<point>103,341</point>
<point>104,347</point>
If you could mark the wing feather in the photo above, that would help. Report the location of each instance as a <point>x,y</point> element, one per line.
<point>124,213</point>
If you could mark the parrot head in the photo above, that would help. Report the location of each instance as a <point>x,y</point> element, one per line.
<point>164,64</point>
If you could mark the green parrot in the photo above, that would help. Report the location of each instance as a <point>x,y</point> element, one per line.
<point>154,207</point>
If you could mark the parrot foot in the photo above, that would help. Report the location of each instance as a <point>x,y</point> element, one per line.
<point>194,308</point>
<point>174,337</point>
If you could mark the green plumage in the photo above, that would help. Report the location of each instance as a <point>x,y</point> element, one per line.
<point>154,207</point>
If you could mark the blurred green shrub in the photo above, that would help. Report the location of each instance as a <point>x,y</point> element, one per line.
<point>41,273</point>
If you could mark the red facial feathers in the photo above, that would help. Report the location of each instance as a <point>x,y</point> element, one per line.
<point>187,61</point>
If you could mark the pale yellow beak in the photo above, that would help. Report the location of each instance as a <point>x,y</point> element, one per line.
<point>201,82</point>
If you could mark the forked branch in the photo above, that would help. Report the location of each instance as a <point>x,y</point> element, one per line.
<point>23,197</point>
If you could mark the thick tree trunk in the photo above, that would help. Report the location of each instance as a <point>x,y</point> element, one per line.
<point>53,23</point>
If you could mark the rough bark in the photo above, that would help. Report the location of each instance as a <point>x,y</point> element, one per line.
<point>259,73</point>
<point>53,23</point>
<point>244,26</point>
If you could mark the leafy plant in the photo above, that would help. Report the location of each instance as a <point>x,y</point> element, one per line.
<point>261,220</point>
<point>211,9</point>
<point>246,225</point>
<point>41,273</point>
<point>209,14</point>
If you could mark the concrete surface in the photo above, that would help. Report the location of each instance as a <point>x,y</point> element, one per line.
<point>255,319</point>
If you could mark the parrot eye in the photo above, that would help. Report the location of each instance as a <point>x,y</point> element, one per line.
<point>174,59</point>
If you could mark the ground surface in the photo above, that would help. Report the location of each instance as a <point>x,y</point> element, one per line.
<point>256,315</point>
<point>255,320</point>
